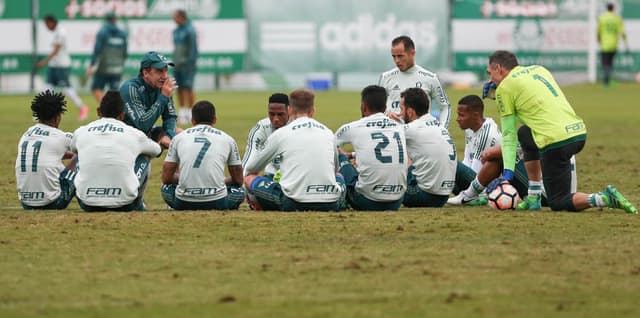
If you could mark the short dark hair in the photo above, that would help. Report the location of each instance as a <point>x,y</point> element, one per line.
<point>279,98</point>
<point>111,105</point>
<point>416,99</point>
<point>51,18</point>
<point>203,112</point>
<point>47,105</point>
<point>407,41</point>
<point>610,6</point>
<point>473,102</point>
<point>505,59</point>
<point>182,13</point>
<point>375,97</point>
<point>302,100</point>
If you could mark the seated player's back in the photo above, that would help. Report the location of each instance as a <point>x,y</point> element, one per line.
<point>381,157</point>
<point>204,152</point>
<point>307,150</point>
<point>107,149</point>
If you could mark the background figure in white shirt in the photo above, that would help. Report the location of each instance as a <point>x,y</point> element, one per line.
<point>42,180</point>
<point>431,176</point>
<point>59,63</point>
<point>278,116</point>
<point>408,74</point>
<point>379,179</point>
<point>111,174</point>
<point>480,133</point>
<point>201,154</point>
<point>308,163</point>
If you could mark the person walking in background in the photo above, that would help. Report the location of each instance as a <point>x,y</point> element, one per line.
<point>610,27</point>
<point>185,55</point>
<point>59,66</point>
<point>107,60</point>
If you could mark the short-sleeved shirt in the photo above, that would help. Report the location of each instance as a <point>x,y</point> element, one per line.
<point>395,82</point>
<point>381,159</point>
<point>202,153</point>
<point>38,165</point>
<point>107,150</point>
<point>62,58</point>
<point>308,160</point>
<point>433,155</point>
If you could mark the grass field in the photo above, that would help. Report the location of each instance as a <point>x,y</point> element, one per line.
<point>453,262</point>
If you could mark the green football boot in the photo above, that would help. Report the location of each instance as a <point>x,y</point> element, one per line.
<point>480,201</point>
<point>530,203</point>
<point>616,200</point>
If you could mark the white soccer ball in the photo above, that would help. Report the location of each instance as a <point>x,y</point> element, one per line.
<point>504,197</point>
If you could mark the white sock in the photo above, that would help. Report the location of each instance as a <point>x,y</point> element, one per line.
<point>535,188</point>
<point>474,189</point>
<point>71,93</point>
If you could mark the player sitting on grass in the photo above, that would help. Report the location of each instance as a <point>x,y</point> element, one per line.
<point>43,181</point>
<point>431,175</point>
<point>110,178</point>
<point>380,179</point>
<point>308,154</point>
<point>278,116</point>
<point>488,178</point>
<point>480,133</point>
<point>201,153</point>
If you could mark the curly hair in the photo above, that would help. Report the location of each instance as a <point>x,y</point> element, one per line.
<point>47,105</point>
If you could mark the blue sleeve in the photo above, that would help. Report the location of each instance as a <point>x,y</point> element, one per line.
<point>97,47</point>
<point>169,118</point>
<point>194,44</point>
<point>137,114</point>
<point>125,36</point>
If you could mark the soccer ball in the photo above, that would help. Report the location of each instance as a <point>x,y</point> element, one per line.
<point>504,197</point>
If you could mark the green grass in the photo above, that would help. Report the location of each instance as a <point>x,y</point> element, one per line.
<point>453,262</point>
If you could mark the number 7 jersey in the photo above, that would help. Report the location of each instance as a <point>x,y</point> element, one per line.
<point>381,156</point>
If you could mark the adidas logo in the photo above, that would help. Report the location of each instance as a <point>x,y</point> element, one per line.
<point>396,88</point>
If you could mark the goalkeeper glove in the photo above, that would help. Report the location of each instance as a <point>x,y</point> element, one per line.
<point>489,89</point>
<point>506,177</point>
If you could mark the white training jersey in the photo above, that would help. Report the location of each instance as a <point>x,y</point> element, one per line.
<point>107,150</point>
<point>475,142</point>
<point>257,137</point>
<point>62,59</point>
<point>39,163</point>
<point>395,82</point>
<point>202,153</point>
<point>433,155</point>
<point>381,160</point>
<point>308,160</point>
